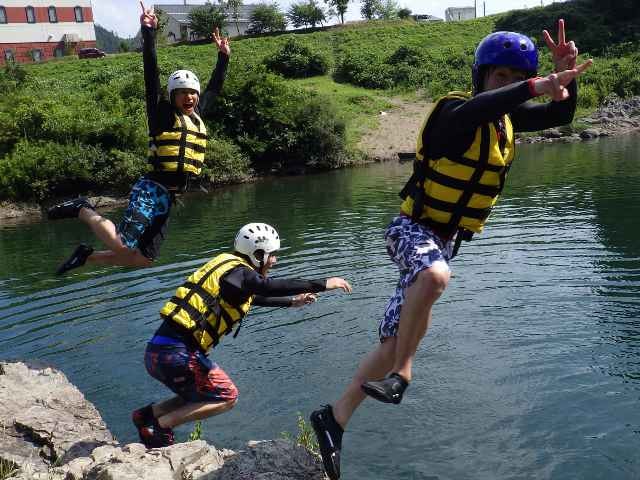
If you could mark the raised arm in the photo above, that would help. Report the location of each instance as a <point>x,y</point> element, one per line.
<point>214,87</point>
<point>148,26</point>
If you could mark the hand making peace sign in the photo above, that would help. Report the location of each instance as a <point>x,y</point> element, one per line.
<point>148,17</point>
<point>221,42</point>
<point>564,53</point>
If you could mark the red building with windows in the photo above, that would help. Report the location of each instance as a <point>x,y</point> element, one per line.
<point>37,30</point>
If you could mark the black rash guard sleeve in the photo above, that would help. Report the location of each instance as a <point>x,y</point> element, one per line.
<point>151,77</point>
<point>261,301</point>
<point>242,282</point>
<point>214,87</point>
<point>456,124</point>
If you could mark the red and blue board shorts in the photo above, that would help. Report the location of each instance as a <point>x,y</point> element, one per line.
<point>189,373</point>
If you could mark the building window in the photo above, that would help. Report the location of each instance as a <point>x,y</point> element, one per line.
<point>31,14</point>
<point>3,15</point>
<point>78,12</point>
<point>8,56</point>
<point>36,54</point>
<point>58,52</point>
<point>53,15</point>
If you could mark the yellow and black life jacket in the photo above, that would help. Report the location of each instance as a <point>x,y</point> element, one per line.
<point>180,149</point>
<point>457,194</point>
<point>198,308</point>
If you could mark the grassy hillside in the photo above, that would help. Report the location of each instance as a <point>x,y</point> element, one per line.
<point>76,125</point>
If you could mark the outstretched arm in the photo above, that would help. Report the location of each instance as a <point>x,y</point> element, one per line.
<point>214,87</point>
<point>148,26</point>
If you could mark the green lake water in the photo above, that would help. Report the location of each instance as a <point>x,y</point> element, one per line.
<point>531,369</point>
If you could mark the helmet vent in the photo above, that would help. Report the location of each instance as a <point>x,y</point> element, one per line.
<point>507,44</point>
<point>247,237</point>
<point>523,46</point>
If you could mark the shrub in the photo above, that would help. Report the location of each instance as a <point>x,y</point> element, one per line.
<point>321,135</point>
<point>280,126</point>
<point>364,70</point>
<point>224,163</point>
<point>39,169</point>
<point>295,60</point>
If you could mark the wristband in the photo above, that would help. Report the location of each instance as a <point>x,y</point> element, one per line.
<point>532,88</point>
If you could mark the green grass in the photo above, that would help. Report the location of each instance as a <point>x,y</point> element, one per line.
<point>358,106</point>
<point>7,469</point>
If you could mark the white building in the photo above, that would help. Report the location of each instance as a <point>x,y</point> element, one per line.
<point>35,30</point>
<point>455,14</point>
<point>177,28</point>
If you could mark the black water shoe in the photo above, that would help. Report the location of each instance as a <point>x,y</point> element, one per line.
<point>77,259</point>
<point>160,436</point>
<point>68,209</point>
<point>143,419</point>
<point>389,390</point>
<point>329,435</point>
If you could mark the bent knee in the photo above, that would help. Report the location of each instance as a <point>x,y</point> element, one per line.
<point>434,279</point>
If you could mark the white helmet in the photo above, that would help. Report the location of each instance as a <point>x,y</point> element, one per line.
<point>257,236</point>
<point>183,79</point>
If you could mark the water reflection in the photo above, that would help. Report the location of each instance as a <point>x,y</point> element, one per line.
<point>531,369</point>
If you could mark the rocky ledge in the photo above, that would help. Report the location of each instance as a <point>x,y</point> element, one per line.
<point>615,116</point>
<point>49,431</point>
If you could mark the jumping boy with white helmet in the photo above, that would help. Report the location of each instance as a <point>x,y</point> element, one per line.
<point>210,304</point>
<point>176,153</point>
<point>464,151</point>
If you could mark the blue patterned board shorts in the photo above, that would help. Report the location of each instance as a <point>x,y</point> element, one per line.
<point>189,373</point>
<point>412,247</point>
<point>145,221</point>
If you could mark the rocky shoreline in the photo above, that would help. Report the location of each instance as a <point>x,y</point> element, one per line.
<point>49,431</point>
<point>615,116</point>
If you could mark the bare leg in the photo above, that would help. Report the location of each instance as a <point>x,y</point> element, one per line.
<point>415,316</point>
<point>373,367</point>
<point>187,412</point>
<point>118,253</point>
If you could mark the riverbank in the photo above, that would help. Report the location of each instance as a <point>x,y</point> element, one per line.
<point>395,134</point>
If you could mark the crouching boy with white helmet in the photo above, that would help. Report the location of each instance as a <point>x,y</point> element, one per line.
<point>178,140</point>
<point>210,304</point>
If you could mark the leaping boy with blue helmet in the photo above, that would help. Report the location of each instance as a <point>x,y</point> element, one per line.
<point>464,151</point>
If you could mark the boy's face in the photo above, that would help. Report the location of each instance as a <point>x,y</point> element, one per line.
<point>497,77</point>
<point>185,100</point>
<point>271,261</point>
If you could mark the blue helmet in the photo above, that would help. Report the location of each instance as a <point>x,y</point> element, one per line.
<point>505,49</point>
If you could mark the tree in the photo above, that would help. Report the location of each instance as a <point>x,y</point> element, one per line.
<point>388,10</point>
<point>204,20</point>
<point>340,7</point>
<point>404,13</point>
<point>370,9</point>
<point>266,18</point>
<point>306,13</point>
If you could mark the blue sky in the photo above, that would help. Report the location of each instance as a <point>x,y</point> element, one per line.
<point>121,16</point>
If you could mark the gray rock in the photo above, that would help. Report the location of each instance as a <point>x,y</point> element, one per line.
<point>53,433</point>
<point>552,133</point>
<point>45,419</point>
<point>270,460</point>
<point>590,133</point>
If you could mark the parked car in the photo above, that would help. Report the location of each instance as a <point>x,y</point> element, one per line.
<point>91,53</point>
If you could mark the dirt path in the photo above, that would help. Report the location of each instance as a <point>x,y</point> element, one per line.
<point>397,130</point>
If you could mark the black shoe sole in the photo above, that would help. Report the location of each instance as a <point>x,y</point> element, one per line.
<point>379,395</point>
<point>325,453</point>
